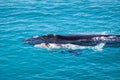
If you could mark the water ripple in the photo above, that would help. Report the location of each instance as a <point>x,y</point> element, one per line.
<point>22,19</point>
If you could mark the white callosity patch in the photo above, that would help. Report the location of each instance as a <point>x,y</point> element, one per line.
<point>98,47</point>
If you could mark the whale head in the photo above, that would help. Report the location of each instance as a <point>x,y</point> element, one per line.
<point>34,40</point>
<point>41,39</point>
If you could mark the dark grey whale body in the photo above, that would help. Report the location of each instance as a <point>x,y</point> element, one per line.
<point>82,40</point>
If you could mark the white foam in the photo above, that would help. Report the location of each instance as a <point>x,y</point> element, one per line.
<point>35,36</point>
<point>103,38</point>
<point>98,47</point>
<point>104,33</point>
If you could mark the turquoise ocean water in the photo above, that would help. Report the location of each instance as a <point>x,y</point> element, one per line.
<point>20,19</point>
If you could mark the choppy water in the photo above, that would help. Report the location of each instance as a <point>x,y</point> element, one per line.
<point>20,19</point>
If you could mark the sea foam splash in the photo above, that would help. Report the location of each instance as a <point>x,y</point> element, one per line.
<point>98,47</point>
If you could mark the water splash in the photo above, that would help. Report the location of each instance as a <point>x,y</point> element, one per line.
<point>98,47</point>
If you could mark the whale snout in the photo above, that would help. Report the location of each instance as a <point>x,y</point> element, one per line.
<point>33,41</point>
<point>27,40</point>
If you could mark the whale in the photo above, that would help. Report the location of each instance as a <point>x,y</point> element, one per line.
<point>54,40</point>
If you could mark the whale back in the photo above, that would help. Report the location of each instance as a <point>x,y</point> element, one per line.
<point>77,37</point>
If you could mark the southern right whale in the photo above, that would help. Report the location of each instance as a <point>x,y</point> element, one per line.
<point>79,40</point>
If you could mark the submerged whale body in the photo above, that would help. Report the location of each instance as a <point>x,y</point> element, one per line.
<point>78,40</point>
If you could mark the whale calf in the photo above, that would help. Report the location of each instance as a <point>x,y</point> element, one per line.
<point>58,41</point>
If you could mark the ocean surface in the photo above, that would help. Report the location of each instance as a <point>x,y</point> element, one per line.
<point>20,19</point>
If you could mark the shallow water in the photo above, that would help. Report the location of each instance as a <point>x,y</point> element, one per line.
<point>23,18</point>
